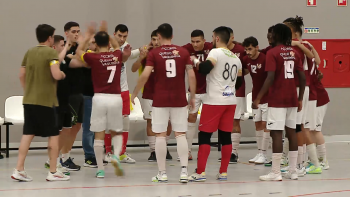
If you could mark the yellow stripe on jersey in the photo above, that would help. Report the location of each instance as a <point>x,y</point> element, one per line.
<point>53,62</point>
<point>131,108</point>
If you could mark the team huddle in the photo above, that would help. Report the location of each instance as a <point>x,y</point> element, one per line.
<point>287,95</point>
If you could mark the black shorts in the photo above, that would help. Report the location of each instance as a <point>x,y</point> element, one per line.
<point>64,117</point>
<point>76,103</point>
<point>40,121</point>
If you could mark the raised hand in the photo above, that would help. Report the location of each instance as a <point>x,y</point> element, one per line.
<point>127,51</point>
<point>91,28</point>
<point>104,26</point>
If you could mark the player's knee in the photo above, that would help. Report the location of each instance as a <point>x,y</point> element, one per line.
<point>225,137</point>
<point>99,143</point>
<point>126,123</point>
<point>99,135</point>
<point>298,128</point>
<point>204,138</point>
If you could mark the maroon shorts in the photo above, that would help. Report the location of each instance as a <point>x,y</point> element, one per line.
<point>214,117</point>
<point>126,102</point>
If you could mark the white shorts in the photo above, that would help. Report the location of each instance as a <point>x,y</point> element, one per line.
<point>278,118</point>
<point>147,108</point>
<point>240,108</point>
<point>106,113</point>
<point>261,113</point>
<point>301,116</point>
<point>199,102</point>
<point>177,116</point>
<point>310,122</point>
<point>321,112</point>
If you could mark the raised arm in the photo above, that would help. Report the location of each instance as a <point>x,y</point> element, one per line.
<point>305,50</point>
<point>314,52</point>
<point>138,64</point>
<point>141,81</point>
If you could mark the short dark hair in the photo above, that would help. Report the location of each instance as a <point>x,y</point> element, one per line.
<point>250,41</point>
<point>296,23</point>
<point>122,28</point>
<point>165,30</point>
<point>223,33</point>
<point>281,33</point>
<point>197,33</point>
<point>43,32</point>
<point>58,38</point>
<point>102,39</point>
<point>69,25</point>
<point>270,29</point>
<point>230,30</point>
<point>154,33</point>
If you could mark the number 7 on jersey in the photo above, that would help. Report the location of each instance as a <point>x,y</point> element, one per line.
<point>111,75</point>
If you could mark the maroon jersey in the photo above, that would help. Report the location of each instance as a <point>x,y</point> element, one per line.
<point>148,89</point>
<point>239,51</point>
<point>105,71</point>
<point>264,51</point>
<point>322,95</point>
<point>313,79</point>
<point>169,64</point>
<point>257,72</point>
<point>284,61</point>
<point>305,66</point>
<point>201,56</point>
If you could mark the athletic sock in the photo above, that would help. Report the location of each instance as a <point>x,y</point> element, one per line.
<point>259,139</point>
<point>293,157</point>
<point>305,153</point>
<point>191,132</point>
<point>117,144</point>
<point>161,151</point>
<point>125,141</point>
<point>167,139</point>
<point>225,157</point>
<point>108,143</point>
<point>203,154</point>
<point>265,142</point>
<point>152,142</point>
<point>65,156</point>
<point>300,159</point>
<point>276,163</point>
<point>285,147</point>
<point>321,151</point>
<point>311,149</point>
<point>236,138</point>
<point>182,150</point>
<point>98,148</point>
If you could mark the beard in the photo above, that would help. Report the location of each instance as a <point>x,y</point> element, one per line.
<point>214,44</point>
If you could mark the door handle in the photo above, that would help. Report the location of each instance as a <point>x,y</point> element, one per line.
<point>324,63</point>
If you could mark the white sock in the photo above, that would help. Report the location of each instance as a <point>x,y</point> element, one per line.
<point>236,138</point>
<point>152,142</point>
<point>311,150</point>
<point>167,139</point>
<point>65,156</point>
<point>293,157</point>
<point>285,147</point>
<point>161,151</point>
<point>191,132</point>
<point>276,163</point>
<point>305,153</point>
<point>265,142</point>
<point>58,161</point>
<point>321,151</point>
<point>182,151</point>
<point>117,141</point>
<point>300,155</point>
<point>98,148</point>
<point>259,139</point>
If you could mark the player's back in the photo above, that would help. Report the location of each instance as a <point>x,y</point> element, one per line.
<point>222,78</point>
<point>284,61</point>
<point>169,62</point>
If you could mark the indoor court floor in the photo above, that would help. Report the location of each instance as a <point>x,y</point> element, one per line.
<point>242,178</point>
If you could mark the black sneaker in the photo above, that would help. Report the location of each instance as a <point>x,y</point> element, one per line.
<point>91,163</point>
<point>105,162</point>
<point>234,158</point>
<point>168,156</point>
<point>152,157</point>
<point>219,160</point>
<point>1,156</point>
<point>70,165</point>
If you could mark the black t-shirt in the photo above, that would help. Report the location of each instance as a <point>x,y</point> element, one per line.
<point>63,87</point>
<point>75,75</point>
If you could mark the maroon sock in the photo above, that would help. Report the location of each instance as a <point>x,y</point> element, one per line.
<point>225,157</point>
<point>203,154</point>
<point>108,143</point>
<point>125,140</point>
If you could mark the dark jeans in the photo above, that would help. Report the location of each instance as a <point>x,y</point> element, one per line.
<point>88,136</point>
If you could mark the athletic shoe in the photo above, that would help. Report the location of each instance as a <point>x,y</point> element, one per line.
<point>261,159</point>
<point>183,177</point>
<point>118,168</point>
<point>91,163</point>
<point>271,177</point>
<point>222,176</point>
<point>57,176</point>
<point>168,156</point>
<point>219,160</point>
<point>125,158</point>
<point>1,156</point>
<point>100,174</point>
<point>268,163</point>
<point>285,169</point>
<point>301,171</point>
<point>59,167</point>
<point>197,177</point>
<point>284,161</point>
<point>152,157</point>
<point>255,158</point>
<point>324,163</point>
<point>108,157</point>
<point>21,176</point>
<point>70,165</point>
<point>291,175</point>
<point>313,170</point>
<point>160,178</point>
<point>234,158</point>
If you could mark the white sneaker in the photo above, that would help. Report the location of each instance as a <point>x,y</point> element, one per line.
<point>21,176</point>
<point>63,169</point>
<point>301,171</point>
<point>324,164</point>
<point>160,178</point>
<point>261,159</point>
<point>222,176</point>
<point>284,161</point>
<point>197,177</point>
<point>255,158</point>
<point>126,159</point>
<point>108,157</point>
<point>58,176</point>
<point>285,169</point>
<point>183,178</point>
<point>291,175</point>
<point>271,177</point>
